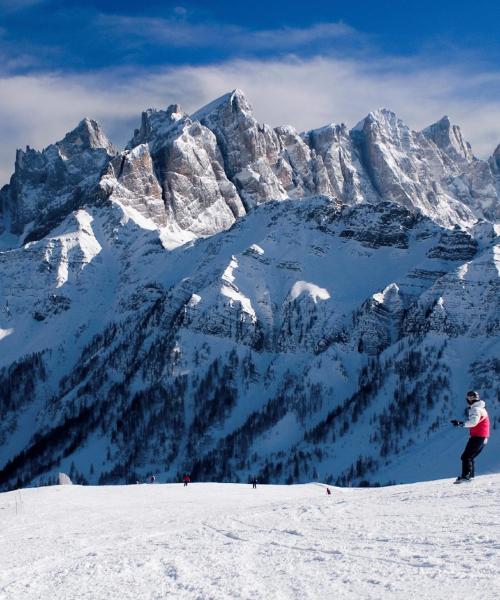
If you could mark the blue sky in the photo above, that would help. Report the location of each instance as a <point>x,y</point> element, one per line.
<point>304,63</point>
<point>54,34</point>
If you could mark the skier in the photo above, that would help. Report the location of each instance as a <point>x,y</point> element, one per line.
<point>254,483</point>
<point>328,492</point>
<point>186,479</point>
<point>478,424</point>
<point>152,479</point>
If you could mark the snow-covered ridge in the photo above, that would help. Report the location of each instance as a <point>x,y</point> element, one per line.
<point>276,347</point>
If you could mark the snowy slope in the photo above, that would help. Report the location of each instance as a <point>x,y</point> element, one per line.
<point>250,351</point>
<point>220,541</point>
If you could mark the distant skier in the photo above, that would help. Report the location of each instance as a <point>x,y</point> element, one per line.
<point>186,479</point>
<point>328,492</point>
<point>152,479</point>
<point>478,424</point>
<point>254,483</point>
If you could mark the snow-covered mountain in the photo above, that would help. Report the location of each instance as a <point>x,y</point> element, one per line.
<point>226,298</point>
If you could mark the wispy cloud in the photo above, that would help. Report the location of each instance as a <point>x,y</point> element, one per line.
<point>181,32</point>
<point>39,109</point>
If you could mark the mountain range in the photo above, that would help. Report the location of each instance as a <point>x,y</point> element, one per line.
<point>229,299</point>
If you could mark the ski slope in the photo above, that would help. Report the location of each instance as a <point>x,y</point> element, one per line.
<point>216,541</point>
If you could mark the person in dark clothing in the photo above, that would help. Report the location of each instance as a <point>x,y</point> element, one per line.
<point>474,447</point>
<point>186,479</point>
<point>478,424</point>
<point>254,483</point>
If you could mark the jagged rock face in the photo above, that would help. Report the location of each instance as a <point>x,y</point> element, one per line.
<point>197,174</point>
<point>384,143</point>
<point>195,187</point>
<point>156,125</point>
<point>405,168</point>
<point>431,172</point>
<point>463,302</point>
<point>298,169</point>
<point>130,179</point>
<point>250,151</point>
<point>379,322</point>
<point>180,164</point>
<point>47,185</point>
<point>346,177</point>
<point>469,180</point>
<point>264,163</point>
<point>386,224</point>
<point>455,245</point>
<point>448,138</point>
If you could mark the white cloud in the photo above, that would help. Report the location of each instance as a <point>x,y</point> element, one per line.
<point>180,32</point>
<point>38,110</point>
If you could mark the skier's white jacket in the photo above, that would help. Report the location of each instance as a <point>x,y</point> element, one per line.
<point>478,420</point>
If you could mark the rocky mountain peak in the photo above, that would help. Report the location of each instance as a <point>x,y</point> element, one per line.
<point>87,135</point>
<point>175,112</point>
<point>384,128</point>
<point>156,124</point>
<point>448,138</point>
<point>188,170</point>
<point>382,118</point>
<point>230,105</point>
<point>250,150</point>
<point>48,184</point>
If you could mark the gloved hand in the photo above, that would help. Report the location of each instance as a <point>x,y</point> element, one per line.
<point>457,423</point>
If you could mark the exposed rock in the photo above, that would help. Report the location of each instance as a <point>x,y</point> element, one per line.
<point>385,225</point>
<point>197,174</point>
<point>47,185</point>
<point>454,245</point>
<point>156,125</point>
<point>379,322</point>
<point>448,138</point>
<point>130,179</point>
<point>250,151</point>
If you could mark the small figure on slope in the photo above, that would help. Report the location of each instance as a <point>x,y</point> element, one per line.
<point>152,479</point>
<point>186,479</point>
<point>328,492</point>
<point>478,424</point>
<point>254,483</point>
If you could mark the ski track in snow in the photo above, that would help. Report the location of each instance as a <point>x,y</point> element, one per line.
<point>215,541</point>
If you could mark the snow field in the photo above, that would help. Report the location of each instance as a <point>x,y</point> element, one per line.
<point>215,541</point>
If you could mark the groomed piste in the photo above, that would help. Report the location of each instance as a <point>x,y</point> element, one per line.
<point>429,540</point>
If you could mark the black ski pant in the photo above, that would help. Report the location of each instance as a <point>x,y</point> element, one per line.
<point>472,449</point>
